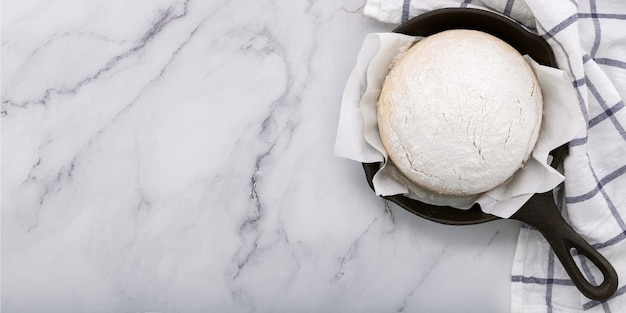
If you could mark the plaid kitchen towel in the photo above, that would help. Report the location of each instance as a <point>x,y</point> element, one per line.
<point>589,42</point>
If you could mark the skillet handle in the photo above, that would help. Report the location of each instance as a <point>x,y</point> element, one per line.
<point>541,212</point>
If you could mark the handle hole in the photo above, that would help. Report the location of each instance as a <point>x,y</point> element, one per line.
<point>586,266</point>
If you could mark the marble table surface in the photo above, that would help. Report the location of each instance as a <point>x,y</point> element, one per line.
<point>176,156</point>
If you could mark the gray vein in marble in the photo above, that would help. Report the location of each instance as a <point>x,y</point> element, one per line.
<point>55,184</point>
<point>486,246</point>
<point>276,132</point>
<point>250,226</point>
<point>248,230</point>
<point>57,36</point>
<point>31,175</point>
<point>65,173</point>
<point>427,270</point>
<point>271,131</point>
<point>353,11</point>
<point>171,14</point>
<point>390,217</point>
<point>493,237</point>
<point>161,72</point>
<point>50,185</point>
<point>351,253</point>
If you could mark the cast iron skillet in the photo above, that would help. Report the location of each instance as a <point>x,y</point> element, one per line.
<point>540,211</point>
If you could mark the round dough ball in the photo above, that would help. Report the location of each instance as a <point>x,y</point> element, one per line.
<point>460,112</point>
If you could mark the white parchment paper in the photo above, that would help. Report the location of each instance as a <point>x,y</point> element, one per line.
<point>358,138</point>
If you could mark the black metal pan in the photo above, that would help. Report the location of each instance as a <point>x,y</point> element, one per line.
<point>540,211</point>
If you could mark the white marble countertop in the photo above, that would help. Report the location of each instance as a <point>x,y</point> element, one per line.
<point>176,156</point>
